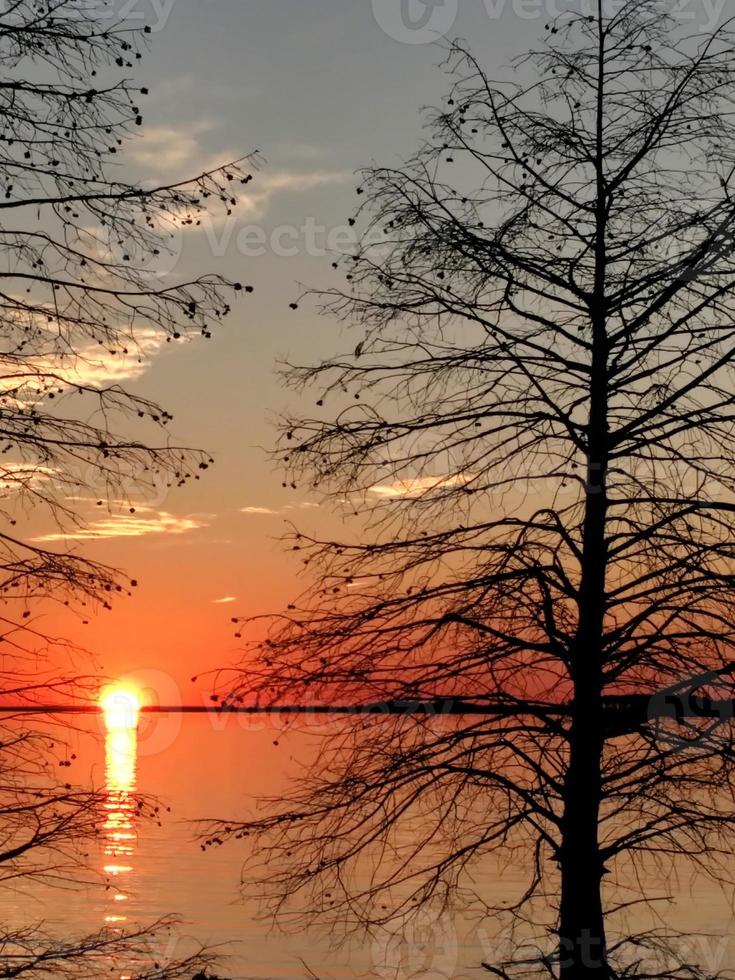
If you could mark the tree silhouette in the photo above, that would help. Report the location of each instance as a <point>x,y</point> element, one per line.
<point>32,952</point>
<point>79,289</point>
<point>83,300</point>
<point>535,430</point>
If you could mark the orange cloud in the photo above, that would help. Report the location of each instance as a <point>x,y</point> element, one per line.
<point>87,367</point>
<point>24,476</point>
<point>418,486</point>
<point>144,522</point>
<point>271,512</point>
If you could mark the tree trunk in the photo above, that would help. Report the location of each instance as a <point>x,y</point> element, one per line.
<point>582,947</point>
<point>582,944</point>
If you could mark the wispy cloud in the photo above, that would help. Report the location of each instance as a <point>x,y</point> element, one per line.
<point>419,486</point>
<point>303,151</point>
<point>145,521</point>
<point>288,181</point>
<point>224,600</point>
<point>253,204</point>
<point>165,148</point>
<point>268,186</point>
<point>92,369</point>
<point>167,151</point>
<point>274,512</point>
<point>24,476</point>
<point>87,367</point>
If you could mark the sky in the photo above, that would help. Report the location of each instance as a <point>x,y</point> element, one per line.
<point>320,88</point>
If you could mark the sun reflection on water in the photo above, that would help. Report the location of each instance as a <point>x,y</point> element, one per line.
<point>121,807</point>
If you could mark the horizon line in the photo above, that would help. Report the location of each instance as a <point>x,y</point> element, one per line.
<point>446,705</point>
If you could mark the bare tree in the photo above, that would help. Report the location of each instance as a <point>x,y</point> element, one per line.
<point>82,298</point>
<point>33,953</point>
<point>536,431</point>
<point>78,292</point>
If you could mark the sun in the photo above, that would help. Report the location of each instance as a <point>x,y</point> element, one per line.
<point>120,704</point>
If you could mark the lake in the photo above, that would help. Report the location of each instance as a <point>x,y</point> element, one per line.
<point>209,766</point>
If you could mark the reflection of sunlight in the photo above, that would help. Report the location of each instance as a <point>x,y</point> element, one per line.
<point>119,831</point>
<point>121,750</point>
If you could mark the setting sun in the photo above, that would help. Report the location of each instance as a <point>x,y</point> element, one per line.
<point>121,707</point>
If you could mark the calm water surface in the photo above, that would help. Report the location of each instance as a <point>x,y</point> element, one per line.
<point>204,767</point>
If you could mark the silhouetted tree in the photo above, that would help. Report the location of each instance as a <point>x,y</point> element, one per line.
<point>536,427</point>
<point>79,289</point>
<point>33,953</point>
<point>81,300</point>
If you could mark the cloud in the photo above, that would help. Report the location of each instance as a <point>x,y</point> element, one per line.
<point>173,153</point>
<point>24,476</point>
<point>254,203</point>
<point>271,512</point>
<point>287,181</point>
<point>89,367</point>
<point>169,153</point>
<point>267,186</point>
<point>145,521</point>
<point>163,148</point>
<point>225,599</point>
<point>418,486</point>
<point>304,151</point>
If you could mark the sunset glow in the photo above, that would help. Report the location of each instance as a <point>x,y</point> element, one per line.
<point>368,491</point>
<point>121,707</point>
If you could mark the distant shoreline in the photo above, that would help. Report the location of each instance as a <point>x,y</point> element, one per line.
<point>442,706</point>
